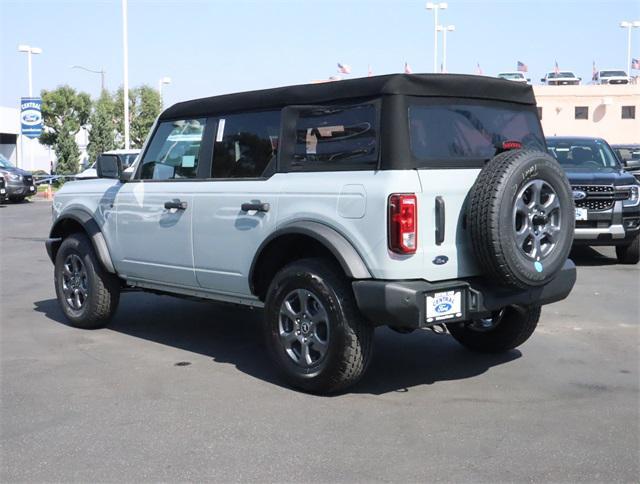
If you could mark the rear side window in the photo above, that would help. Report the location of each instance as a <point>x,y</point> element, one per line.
<point>246,145</point>
<point>335,137</point>
<point>174,150</point>
<point>442,132</point>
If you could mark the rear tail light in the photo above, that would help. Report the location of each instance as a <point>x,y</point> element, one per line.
<point>403,223</point>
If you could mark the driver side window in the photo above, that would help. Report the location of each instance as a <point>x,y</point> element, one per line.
<point>174,150</point>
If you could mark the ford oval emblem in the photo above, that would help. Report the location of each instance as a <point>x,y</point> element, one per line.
<point>579,195</point>
<point>440,259</point>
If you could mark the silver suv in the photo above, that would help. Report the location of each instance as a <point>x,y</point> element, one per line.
<point>413,201</point>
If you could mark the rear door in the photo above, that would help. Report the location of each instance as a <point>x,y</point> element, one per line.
<point>236,208</point>
<point>155,210</point>
<point>450,142</point>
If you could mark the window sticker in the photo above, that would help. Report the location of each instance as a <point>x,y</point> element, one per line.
<point>188,161</point>
<point>220,133</point>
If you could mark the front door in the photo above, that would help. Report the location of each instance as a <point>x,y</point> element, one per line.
<point>155,210</point>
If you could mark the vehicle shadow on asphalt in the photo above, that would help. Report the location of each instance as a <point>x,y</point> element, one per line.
<point>233,335</point>
<point>589,257</point>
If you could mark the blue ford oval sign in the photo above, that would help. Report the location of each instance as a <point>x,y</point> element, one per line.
<point>579,195</point>
<point>31,116</point>
<point>440,259</point>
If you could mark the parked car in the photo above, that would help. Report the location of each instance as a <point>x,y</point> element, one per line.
<point>562,78</point>
<point>19,183</point>
<point>413,201</point>
<point>607,198</point>
<point>611,76</point>
<point>3,190</point>
<point>629,156</point>
<point>126,158</point>
<point>516,76</point>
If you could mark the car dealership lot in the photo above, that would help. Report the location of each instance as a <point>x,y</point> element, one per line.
<point>182,390</point>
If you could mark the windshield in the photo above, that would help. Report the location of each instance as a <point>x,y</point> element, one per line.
<point>511,75</point>
<point>447,132</point>
<point>4,163</point>
<point>627,153</point>
<point>588,154</point>
<point>613,74</point>
<point>558,75</point>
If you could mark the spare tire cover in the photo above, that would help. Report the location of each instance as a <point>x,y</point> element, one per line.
<point>521,218</point>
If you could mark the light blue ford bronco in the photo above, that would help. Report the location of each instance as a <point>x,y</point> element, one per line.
<point>412,201</point>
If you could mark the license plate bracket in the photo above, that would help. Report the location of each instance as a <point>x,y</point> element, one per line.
<point>445,306</point>
<point>582,214</point>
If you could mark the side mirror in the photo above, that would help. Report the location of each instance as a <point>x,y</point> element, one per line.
<point>542,80</point>
<point>579,78</point>
<point>109,167</point>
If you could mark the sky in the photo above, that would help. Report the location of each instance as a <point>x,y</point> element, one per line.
<point>210,47</point>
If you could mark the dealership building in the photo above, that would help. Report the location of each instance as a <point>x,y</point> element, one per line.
<point>609,112</point>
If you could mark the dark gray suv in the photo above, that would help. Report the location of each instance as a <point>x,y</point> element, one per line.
<point>19,183</point>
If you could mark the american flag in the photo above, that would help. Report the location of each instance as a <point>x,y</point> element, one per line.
<point>594,71</point>
<point>522,67</point>
<point>407,68</point>
<point>344,68</point>
<point>556,69</point>
<point>478,69</point>
<point>635,64</point>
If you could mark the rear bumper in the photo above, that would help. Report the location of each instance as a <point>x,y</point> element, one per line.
<point>403,303</point>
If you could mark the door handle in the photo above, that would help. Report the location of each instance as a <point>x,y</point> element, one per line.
<point>439,220</point>
<point>257,206</point>
<point>177,204</point>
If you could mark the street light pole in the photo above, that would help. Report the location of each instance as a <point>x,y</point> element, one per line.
<point>163,80</point>
<point>629,25</point>
<point>435,7</point>
<point>101,72</point>
<point>125,84</point>
<point>444,30</point>
<point>29,50</point>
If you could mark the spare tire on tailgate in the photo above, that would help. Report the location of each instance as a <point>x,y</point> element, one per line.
<point>520,215</point>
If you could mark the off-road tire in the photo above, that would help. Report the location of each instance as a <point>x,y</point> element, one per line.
<point>516,326</point>
<point>351,336</point>
<point>629,254</point>
<point>103,287</point>
<point>490,218</point>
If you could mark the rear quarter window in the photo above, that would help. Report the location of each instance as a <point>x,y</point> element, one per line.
<point>335,138</point>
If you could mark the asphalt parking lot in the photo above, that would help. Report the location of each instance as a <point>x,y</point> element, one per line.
<point>178,390</point>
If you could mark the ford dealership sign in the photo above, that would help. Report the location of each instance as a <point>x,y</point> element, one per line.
<point>31,116</point>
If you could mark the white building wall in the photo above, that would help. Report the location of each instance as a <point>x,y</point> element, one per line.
<point>605,111</point>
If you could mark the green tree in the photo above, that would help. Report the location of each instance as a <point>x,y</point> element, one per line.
<point>64,112</point>
<point>102,136</point>
<point>144,108</point>
<point>67,152</point>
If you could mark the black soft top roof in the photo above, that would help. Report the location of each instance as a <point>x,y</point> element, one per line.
<point>429,85</point>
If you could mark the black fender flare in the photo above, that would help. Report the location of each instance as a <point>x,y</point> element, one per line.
<point>92,229</point>
<point>345,253</point>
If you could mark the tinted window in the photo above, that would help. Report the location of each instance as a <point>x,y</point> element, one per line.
<point>468,131</point>
<point>586,154</point>
<point>174,150</point>
<point>334,136</point>
<point>246,144</point>
<point>582,112</point>
<point>628,112</point>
